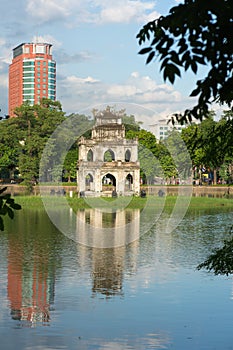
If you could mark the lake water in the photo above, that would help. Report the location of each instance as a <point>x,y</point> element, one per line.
<point>58,294</point>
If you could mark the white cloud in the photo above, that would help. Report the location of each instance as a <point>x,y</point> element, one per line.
<point>80,81</point>
<point>144,90</point>
<point>75,12</point>
<point>127,11</point>
<point>48,9</point>
<point>122,91</point>
<point>139,91</point>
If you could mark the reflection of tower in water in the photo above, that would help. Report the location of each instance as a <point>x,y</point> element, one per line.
<point>30,282</point>
<point>109,264</point>
<point>107,270</point>
<point>107,228</point>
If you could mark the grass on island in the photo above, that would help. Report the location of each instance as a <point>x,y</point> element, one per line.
<point>200,203</point>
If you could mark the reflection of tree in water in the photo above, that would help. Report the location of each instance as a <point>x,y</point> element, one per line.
<point>107,274</point>
<point>109,219</point>
<point>31,268</point>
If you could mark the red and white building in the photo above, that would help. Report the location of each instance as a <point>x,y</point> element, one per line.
<point>32,75</point>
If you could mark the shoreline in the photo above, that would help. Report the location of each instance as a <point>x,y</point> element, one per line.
<point>216,191</point>
<point>168,202</point>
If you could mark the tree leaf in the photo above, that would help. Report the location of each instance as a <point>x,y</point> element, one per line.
<point>3,190</point>
<point>150,57</point>
<point>194,66</point>
<point>170,71</point>
<point>16,206</point>
<point>145,50</point>
<point>10,212</point>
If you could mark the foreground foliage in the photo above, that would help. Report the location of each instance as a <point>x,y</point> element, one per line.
<point>193,34</point>
<point>221,260</point>
<point>7,206</point>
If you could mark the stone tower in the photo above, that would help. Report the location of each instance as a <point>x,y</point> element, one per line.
<point>108,162</point>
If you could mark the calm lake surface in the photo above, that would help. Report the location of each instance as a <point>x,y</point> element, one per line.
<point>58,294</point>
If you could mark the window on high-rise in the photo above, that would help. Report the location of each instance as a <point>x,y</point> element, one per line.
<point>28,79</point>
<point>28,69</point>
<point>28,91</point>
<point>27,86</point>
<point>28,63</point>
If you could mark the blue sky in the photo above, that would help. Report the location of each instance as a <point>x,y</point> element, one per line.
<point>95,47</point>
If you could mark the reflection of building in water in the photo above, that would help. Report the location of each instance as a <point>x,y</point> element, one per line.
<point>108,161</point>
<point>106,229</point>
<point>108,264</point>
<point>30,285</point>
<point>107,271</point>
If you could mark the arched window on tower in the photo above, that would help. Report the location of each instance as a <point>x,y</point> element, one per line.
<point>109,156</point>
<point>90,156</point>
<point>128,182</point>
<point>109,179</point>
<point>89,182</point>
<point>127,155</point>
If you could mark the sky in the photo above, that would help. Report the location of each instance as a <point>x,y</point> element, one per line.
<point>96,50</point>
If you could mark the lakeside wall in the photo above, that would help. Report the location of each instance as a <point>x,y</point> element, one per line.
<point>197,191</point>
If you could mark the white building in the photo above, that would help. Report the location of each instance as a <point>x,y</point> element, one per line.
<point>161,128</point>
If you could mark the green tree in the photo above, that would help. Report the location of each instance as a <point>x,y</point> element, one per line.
<point>181,161</point>
<point>197,32</point>
<point>210,143</point>
<point>70,164</point>
<point>155,159</point>
<point>147,154</point>
<point>9,150</point>
<point>130,123</point>
<point>167,163</point>
<point>33,127</point>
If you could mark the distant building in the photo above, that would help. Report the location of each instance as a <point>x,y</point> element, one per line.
<point>161,128</point>
<point>32,75</point>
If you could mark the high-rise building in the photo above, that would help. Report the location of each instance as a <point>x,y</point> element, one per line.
<point>162,128</point>
<point>32,75</point>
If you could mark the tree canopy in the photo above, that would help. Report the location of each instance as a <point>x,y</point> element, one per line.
<point>197,32</point>
<point>210,145</point>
